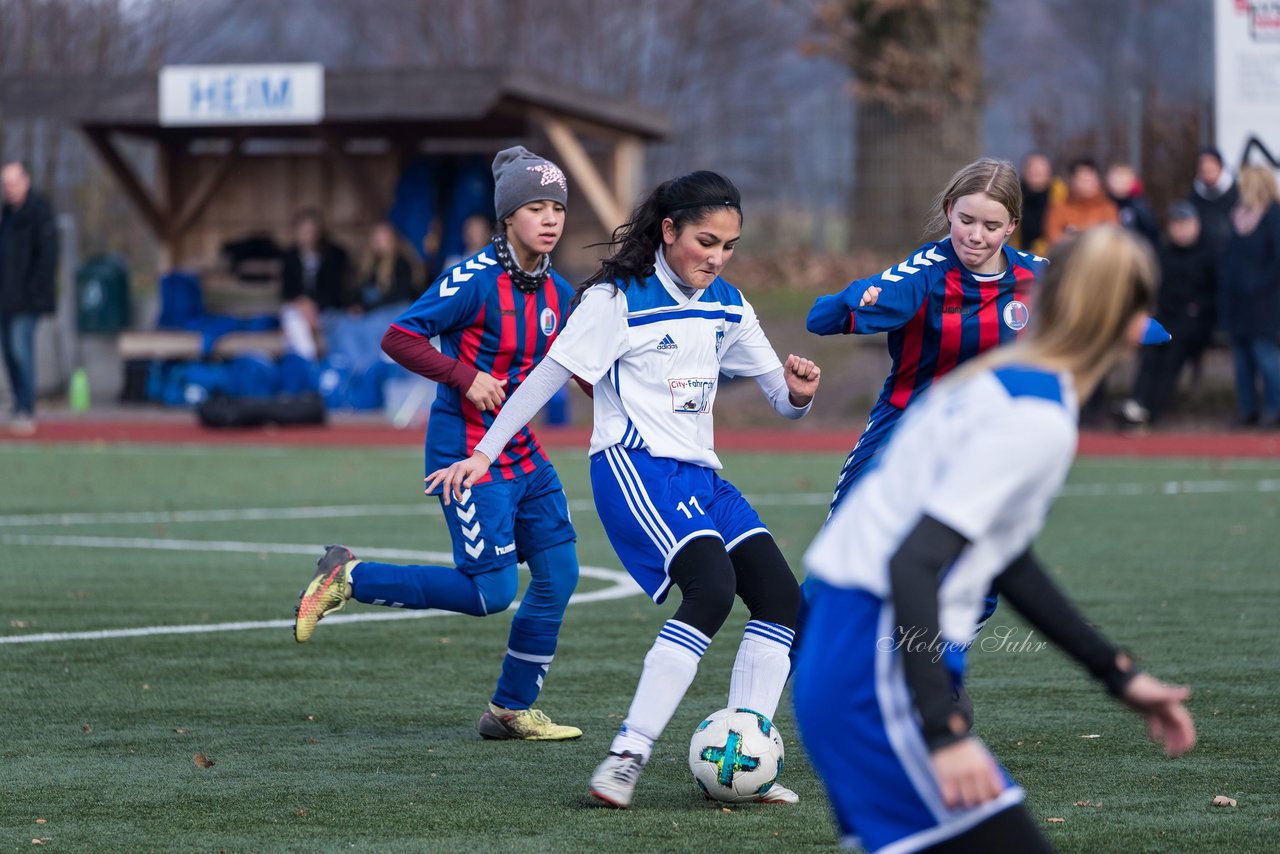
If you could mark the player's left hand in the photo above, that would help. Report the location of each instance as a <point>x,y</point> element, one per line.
<point>1161,705</point>
<point>966,772</point>
<point>458,477</point>
<point>802,377</point>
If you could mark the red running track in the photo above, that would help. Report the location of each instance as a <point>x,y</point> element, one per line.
<point>373,434</point>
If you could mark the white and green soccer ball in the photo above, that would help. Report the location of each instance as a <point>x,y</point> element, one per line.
<point>735,755</point>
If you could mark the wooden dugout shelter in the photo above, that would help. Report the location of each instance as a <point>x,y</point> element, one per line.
<point>214,183</point>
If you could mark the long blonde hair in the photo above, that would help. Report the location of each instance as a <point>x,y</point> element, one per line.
<point>380,267</point>
<point>1095,284</point>
<point>994,178</point>
<point>1258,188</point>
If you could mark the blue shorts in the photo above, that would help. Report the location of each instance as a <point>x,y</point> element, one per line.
<point>866,452</point>
<point>860,729</point>
<point>506,521</point>
<point>651,506</point>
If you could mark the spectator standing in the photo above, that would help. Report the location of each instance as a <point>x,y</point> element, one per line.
<point>1186,303</point>
<point>1039,187</point>
<point>1125,189</point>
<point>28,262</point>
<point>1249,276</point>
<point>1214,193</point>
<point>1085,205</point>
<point>314,283</point>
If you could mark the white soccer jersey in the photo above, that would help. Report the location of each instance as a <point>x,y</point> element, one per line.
<point>655,357</point>
<point>985,456</point>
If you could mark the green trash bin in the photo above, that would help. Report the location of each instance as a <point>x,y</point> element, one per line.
<point>102,295</point>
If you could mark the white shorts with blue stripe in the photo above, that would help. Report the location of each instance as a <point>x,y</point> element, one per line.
<point>651,506</point>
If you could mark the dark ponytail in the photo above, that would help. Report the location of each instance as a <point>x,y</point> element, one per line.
<point>688,199</point>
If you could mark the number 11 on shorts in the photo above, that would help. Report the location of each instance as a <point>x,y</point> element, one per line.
<point>693,502</point>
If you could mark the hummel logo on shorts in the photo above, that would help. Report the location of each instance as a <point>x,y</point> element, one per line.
<point>667,343</point>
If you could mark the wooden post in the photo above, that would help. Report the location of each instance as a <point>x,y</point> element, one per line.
<point>152,213</point>
<point>628,170</point>
<point>200,197</point>
<point>347,165</point>
<point>588,179</point>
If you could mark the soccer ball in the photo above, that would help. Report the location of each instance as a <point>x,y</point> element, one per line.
<point>735,755</point>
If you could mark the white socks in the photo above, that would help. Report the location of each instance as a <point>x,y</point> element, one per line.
<point>669,669</point>
<point>759,675</point>
<point>761,668</point>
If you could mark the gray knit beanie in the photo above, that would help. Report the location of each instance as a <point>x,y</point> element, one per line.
<point>520,177</point>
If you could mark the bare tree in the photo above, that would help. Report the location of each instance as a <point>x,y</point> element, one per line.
<point>918,82</point>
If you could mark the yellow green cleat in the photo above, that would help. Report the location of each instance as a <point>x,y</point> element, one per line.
<point>525,724</point>
<point>328,590</point>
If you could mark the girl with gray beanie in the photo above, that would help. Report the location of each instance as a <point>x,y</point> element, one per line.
<point>496,314</point>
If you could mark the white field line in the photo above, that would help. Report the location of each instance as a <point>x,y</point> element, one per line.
<point>621,587</point>
<point>428,508</point>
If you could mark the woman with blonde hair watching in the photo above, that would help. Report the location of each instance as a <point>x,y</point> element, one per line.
<point>1249,299</point>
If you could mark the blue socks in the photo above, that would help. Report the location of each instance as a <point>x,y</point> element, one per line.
<point>440,587</point>
<point>535,628</point>
<point>530,650</point>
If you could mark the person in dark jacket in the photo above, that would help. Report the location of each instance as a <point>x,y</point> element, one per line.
<point>1249,296</point>
<point>314,281</point>
<point>1214,193</point>
<point>28,262</point>
<point>1186,304</point>
<point>1125,189</point>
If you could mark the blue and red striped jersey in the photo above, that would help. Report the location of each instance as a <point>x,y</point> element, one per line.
<point>937,313</point>
<point>484,320</point>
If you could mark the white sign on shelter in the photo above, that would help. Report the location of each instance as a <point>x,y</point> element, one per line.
<point>241,94</point>
<point>1247,71</point>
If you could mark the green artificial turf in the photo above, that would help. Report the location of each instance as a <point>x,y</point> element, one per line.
<point>364,737</point>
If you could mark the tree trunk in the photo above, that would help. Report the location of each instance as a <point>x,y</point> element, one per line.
<point>918,72</point>
<point>901,163</point>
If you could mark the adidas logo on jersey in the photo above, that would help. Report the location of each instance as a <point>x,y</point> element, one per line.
<point>667,343</point>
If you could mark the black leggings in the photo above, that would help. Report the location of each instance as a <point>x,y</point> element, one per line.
<point>709,577</point>
<point>1007,830</point>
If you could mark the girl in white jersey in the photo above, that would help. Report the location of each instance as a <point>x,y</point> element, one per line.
<point>963,488</point>
<point>653,331</point>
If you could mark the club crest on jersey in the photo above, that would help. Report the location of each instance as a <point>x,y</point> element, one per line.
<point>547,320</point>
<point>719,340</point>
<point>668,343</point>
<point>1016,315</point>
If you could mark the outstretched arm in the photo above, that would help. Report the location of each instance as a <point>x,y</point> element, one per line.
<point>874,304</point>
<point>544,381</point>
<point>1028,587</point>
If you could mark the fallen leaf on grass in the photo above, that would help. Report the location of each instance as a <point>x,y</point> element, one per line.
<point>311,717</point>
<point>1087,804</point>
<point>42,821</point>
<point>18,624</point>
<point>444,640</point>
<point>311,739</point>
<point>1056,820</point>
<point>86,727</point>
<point>1091,735</point>
<point>202,761</point>
<point>301,813</point>
<point>42,840</point>
<point>725,809</point>
<point>1223,801</point>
